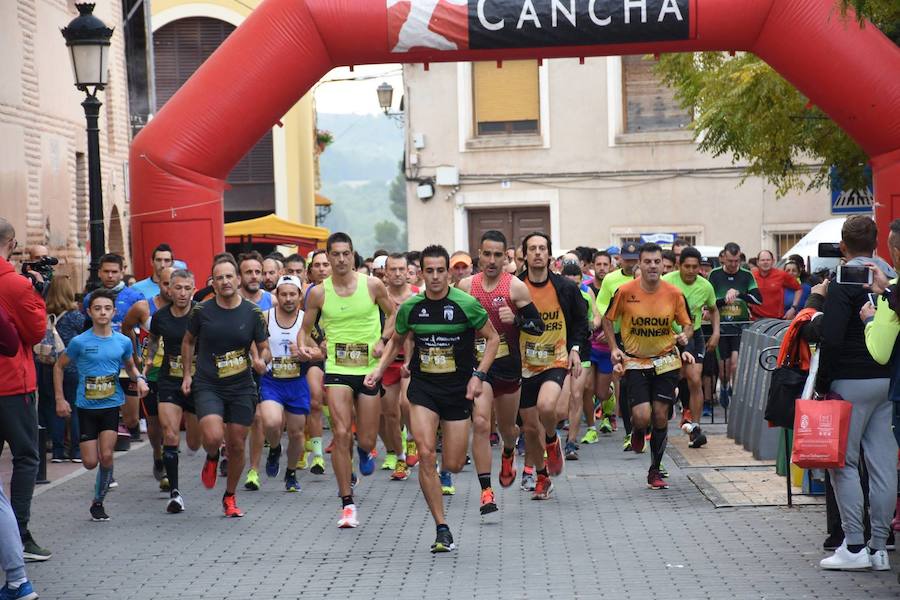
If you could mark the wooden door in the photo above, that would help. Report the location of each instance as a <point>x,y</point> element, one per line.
<point>513,222</point>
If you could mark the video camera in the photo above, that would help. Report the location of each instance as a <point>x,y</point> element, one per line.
<point>42,266</point>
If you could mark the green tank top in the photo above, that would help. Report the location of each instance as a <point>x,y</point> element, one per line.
<point>352,327</point>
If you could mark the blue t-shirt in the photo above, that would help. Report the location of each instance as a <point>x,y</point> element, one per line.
<point>147,287</point>
<point>265,303</point>
<point>99,360</point>
<point>125,299</point>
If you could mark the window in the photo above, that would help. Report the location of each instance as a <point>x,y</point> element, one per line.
<point>649,105</point>
<point>630,238</point>
<point>690,238</point>
<point>786,240</point>
<point>506,100</point>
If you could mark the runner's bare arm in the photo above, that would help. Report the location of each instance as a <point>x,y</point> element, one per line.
<point>263,356</point>
<point>305,343</point>
<point>135,375</point>
<point>136,315</point>
<point>492,344</point>
<point>393,346</point>
<point>465,285</point>
<point>152,349</point>
<point>528,317</point>
<point>62,407</point>
<point>187,359</point>
<point>713,341</point>
<point>379,294</point>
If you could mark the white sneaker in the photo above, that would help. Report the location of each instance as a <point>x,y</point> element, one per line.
<point>176,504</point>
<point>880,561</point>
<point>348,517</point>
<point>843,559</point>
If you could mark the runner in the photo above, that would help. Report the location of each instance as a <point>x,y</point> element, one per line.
<point>508,303</point>
<point>319,269</point>
<point>349,303</point>
<point>444,378</point>
<point>735,289</point>
<point>167,332</point>
<point>603,370</point>
<point>574,387</point>
<point>271,272</point>
<point>699,295</point>
<point>100,354</point>
<point>547,358</point>
<point>161,258</point>
<point>222,330</point>
<point>414,270</point>
<point>283,387</point>
<point>648,359</point>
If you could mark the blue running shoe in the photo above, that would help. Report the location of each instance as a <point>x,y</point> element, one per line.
<point>366,462</point>
<point>724,396</point>
<point>707,410</point>
<point>273,461</point>
<point>23,592</point>
<point>447,488</point>
<point>291,484</point>
<point>353,480</point>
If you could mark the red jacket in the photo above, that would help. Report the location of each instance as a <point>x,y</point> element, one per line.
<point>771,288</point>
<point>27,312</point>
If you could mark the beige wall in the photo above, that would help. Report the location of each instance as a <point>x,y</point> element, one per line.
<point>42,127</point>
<point>582,133</point>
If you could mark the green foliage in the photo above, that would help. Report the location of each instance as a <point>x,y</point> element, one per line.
<point>387,236</point>
<point>747,110</point>
<point>398,194</point>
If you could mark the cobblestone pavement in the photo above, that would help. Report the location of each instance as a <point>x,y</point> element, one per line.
<point>603,534</point>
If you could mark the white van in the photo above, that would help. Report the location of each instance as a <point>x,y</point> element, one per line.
<point>808,246</point>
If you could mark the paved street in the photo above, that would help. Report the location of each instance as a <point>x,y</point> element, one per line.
<point>604,534</point>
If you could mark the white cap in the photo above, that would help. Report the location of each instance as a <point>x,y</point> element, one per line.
<point>289,279</point>
<point>380,261</point>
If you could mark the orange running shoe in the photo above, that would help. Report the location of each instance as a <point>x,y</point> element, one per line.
<point>488,504</point>
<point>229,506</point>
<point>209,472</point>
<point>412,453</point>
<point>686,417</point>
<point>542,488</point>
<point>555,458</point>
<point>637,441</point>
<point>507,469</point>
<point>401,471</point>
<point>329,446</point>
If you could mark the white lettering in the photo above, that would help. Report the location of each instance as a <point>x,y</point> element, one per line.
<point>557,5</point>
<point>528,14</point>
<point>597,20</point>
<point>632,4</point>
<point>487,24</point>
<point>669,6</point>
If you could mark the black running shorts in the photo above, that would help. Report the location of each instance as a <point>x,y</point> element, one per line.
<point>91,421</point>
<point>644,385</point>
<point>531,386</point>
<point>448,401</point>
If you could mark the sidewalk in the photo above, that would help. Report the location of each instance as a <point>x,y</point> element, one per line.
<point>602,535</point>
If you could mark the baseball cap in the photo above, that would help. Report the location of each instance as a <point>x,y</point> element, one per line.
<point>461,258</point>
<point>380,261</point>
<point>289,279</point>
<point>631,251</point>
<point>613,250</point>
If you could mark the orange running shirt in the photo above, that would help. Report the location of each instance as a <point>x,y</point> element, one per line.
<point>548,350</point>
<point>647,337</point>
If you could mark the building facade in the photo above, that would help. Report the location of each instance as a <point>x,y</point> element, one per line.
<point>595,152</point>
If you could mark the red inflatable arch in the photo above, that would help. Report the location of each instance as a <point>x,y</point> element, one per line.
<point>179,161</point>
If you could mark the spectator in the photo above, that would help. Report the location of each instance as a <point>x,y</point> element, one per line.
<point>772,282</point>
<point>797,271</point>
<point>18,410</point>
<point>847,369</point>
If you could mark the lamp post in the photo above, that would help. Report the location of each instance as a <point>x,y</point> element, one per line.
<point>385,93</point>
<point>87,38</point>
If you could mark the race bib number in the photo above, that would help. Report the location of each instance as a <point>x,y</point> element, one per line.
<point>285,367</point>
<point>481,343</point>
<point>669,362</point>
<point>100,387</point>
<point>351,355</point>
<point>437,360</point>
<point>732,311</point>
<point>540,355</point>
<point>231,363</point>
<point>176,367</point>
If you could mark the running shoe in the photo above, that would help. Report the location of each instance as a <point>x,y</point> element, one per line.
<point>176,503</point>
<point>32,552</point>
<point>655,480</point>
<point>488,502</point>
<point>507,469</point>
<point>542,488</point>
<point>495,439</point>
<point>348,518</point>
<point>318,466</point>
<point>555,457</point>
<point>401,471</point>
<point>443,542</point>
<point>159,469</point>
<point>164,484</point>
<point>520,445</point>
<point>98,513</point>
<point>58,458</point>
<point>113,484</point>
<point>353,480</point>
<point>528,480</point>
<point>302,462</point>
<point>23,592</point>
<point>208,474</point>
<point>252,481</point>
<point>291,484</point>
<point>229,507</point>
<point>725,396</point>
<point>686,417</point>
<point>637,441</point>
<point>626,444</point>
<point>412,453</point>
<point>591,436</point>
<point>273,461</point>
<point>707,410</point>
<point>223,467</point>
<point>366,462</point>
<point>390,462</point>
<point>329,447</point>
<point>698,438</point>
<point>663,471</point>
<point>571,451</point>
<point>614,423</point>
<point>605,426</point>
<point>447,487</point>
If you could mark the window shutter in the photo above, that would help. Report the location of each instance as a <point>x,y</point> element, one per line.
<point>650,105</point>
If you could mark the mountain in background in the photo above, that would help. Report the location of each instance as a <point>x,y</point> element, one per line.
<point>356,171</point>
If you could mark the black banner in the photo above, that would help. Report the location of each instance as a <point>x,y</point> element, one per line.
<point>536,23</point>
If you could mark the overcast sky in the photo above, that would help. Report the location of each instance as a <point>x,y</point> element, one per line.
<point>358,96</point>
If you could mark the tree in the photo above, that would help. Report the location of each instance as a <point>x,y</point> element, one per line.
<point>745,109</point>
<point>387,236</point>
<point>397,195</point>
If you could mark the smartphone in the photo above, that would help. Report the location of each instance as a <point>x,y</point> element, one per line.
<point>854,275</point>
<point>873,298</point>
<point>829,250</point>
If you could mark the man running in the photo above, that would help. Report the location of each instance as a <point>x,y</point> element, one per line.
<point>220,331</point>
<point>100,354</point>
<point>283,387</point>
<point>349,303</point>
<point>161,258</point>
<point>271,273</point>
<point>573,400</point>
<point>167,333</point>
<point>508,304</point>
<point>648,360</point>
<point>319,270</point>
<point>699,295</point>
<point>444,378</point>
<point>600,361</point>
<point>547,358</point>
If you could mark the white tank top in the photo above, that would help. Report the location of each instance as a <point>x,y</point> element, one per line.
<point>284,364</point>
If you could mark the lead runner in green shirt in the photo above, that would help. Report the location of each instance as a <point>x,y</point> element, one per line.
<point>444,379</point>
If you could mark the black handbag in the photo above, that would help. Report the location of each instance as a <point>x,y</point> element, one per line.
<point>785,387</point>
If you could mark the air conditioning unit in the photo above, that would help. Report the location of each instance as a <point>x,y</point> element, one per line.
<point>448,176</point>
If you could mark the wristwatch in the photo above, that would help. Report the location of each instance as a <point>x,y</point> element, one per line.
<point>385,340</point>
<point>576,348</point>
<point>480,375</point>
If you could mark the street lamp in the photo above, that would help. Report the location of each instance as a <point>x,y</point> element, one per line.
<point>385,93</point>
<point>87,38</point>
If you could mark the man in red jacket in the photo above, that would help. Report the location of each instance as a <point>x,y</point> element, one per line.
<point>18,406</point>
<point>771,283</point>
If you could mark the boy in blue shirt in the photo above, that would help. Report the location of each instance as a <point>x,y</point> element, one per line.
<point>99,353</point>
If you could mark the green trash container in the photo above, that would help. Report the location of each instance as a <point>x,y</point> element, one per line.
<point>783,460</point>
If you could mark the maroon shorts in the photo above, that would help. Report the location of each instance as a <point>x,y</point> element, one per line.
<point>391,375</point>
<point>502,387</point>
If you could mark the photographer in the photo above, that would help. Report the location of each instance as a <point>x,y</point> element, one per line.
<point>18,409</point>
